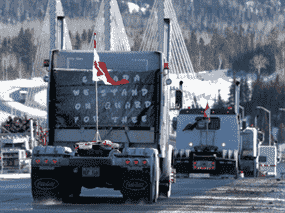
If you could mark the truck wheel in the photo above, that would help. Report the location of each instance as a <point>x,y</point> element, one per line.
<point>166,190</point>
<point>237,172</point>
<point>152,191</point>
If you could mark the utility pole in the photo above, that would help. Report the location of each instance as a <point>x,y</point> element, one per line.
<point>269,112</point>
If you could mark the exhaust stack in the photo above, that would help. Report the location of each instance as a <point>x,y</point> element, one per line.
<point>237,94</point>
<point>60,32</point>
<point>166,43</point>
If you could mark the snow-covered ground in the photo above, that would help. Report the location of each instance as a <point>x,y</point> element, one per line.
<point>205,87</point>
<point>4,116</point>
<point>41,97</point>
<point>8,87</point>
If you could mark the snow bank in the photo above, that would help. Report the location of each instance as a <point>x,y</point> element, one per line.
<point>41,97</point>
<point>7,87</point>
<point>4,116</point>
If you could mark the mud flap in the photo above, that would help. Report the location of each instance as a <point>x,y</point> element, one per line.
<point>45,185</point>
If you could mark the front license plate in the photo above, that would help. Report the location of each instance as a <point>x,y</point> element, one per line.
<point>90,171</point>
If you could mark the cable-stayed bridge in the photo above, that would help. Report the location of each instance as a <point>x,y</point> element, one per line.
<point>111,36</point>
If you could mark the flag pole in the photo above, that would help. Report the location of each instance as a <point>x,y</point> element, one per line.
<point>97,132</point>
<point>207,132</point>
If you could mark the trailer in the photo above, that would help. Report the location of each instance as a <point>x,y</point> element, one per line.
<point>267,161</point>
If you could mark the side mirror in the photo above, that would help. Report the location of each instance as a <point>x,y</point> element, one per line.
<point>178,98</point>
<point>260,136</point>
<point>46,78</point>
<point>174,123</point>
<point>243,125</point>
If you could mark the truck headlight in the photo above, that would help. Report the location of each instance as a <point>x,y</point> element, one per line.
<point>223,144</point>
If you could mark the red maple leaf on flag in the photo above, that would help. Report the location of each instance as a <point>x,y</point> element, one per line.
<point>100,71</point>
<point>207,112</point>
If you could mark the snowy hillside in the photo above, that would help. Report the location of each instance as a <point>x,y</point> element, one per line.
<point>136,8</point>
<point>205,88</point>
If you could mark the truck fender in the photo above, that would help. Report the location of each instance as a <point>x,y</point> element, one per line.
<point>166,165</point>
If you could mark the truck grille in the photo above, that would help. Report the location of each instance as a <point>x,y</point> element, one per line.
<point>209,165</point>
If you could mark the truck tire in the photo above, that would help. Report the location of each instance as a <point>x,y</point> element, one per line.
<point>237,170</point>
<point>152,190</point>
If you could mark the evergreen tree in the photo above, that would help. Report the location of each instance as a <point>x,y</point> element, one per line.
<point>20,46</point>
<point>219,104</point>
<point>193,44</point>
<point>84,36</point>
<point>281,133</point>
<point>232,95</point>
<point>77,41</point>
<point>90,33</point>
<point>196,102</point>
<point>5,45</point>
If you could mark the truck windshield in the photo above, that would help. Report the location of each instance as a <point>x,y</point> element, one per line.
<point>19,145</point>
<point>7,145</point>
<point>133,104</point>
<point>247,144</point>
<point>204,123</point>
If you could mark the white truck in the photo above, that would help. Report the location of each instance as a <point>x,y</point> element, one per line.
<point>221,145</point>
<point>15,153</point>
<point>250,156</point>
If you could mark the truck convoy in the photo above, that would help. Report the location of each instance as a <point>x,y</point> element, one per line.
<point>220,143</point>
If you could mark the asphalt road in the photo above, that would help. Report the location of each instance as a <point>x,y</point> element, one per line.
<point>188,195</point>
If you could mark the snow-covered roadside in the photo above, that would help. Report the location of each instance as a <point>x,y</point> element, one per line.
<point>7,87</point>
<point>41,97</point>
<point>4,116</point>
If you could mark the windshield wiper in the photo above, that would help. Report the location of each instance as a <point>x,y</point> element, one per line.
<point>190,126</point>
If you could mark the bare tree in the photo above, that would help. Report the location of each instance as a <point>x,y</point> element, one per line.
<point>258,62</point>
<point>220,61</point>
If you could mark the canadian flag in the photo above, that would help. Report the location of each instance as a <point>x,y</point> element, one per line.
<point>100,72</point>
<point>207,112</point>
